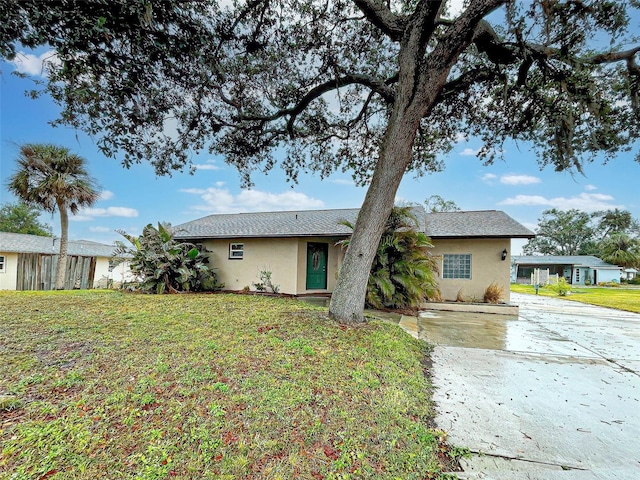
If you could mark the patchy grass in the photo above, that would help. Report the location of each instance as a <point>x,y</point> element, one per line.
<point>620,298</point>
<point>101,384</point>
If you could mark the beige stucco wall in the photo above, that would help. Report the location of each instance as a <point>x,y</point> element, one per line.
<point>9,277</point>
<point>487,266</point>
<point>276,255</point>
<point>120,273</point>
<point>102,270</point>
<point>286,258</point>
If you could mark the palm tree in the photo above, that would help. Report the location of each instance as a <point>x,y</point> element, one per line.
<point>622,250</point>
<point>51,177</point>
<point>402,274</point>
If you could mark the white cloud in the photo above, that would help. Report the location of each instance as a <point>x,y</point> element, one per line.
<point>106,195</point>
<point>220,184</point>
<point>590,188</point>
<point>512,179</point>
<point>588,202</point>
<point>489,177</point>
<point>88,214</point>
<point>218,200</point>
<point>343,181</point>
<point>35,65</point>
<point>208,165</point>
<point>469,152</point>
<point>99,229</point>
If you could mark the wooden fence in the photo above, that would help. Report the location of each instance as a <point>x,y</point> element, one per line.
<point>38,272</point>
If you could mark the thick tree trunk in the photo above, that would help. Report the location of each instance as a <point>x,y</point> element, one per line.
<point>420,81</point>
<point>347,301</point>
<point>64,241</point>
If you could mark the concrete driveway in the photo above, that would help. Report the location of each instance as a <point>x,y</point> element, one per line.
<point>553,394</point>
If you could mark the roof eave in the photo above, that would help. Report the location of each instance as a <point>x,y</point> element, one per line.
<point>469,237</point>
<point>289,235</point>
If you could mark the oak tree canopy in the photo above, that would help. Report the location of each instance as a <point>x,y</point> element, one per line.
<point>377,88</point>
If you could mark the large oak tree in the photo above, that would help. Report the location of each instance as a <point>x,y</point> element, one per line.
<point>561,232</point>
<point>375,87</point>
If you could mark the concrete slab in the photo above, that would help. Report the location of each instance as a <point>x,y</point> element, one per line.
<point>554,393</point>
<point>496,332</point>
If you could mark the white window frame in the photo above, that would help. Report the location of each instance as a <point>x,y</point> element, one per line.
<point>3,264</point>
<point>454,274</point>
<point>235,249</point>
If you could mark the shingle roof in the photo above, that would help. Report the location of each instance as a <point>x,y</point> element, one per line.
<point>482,223</point>
<point>575,260</point>
<point>22,243</point>
<point>305,223</point>
<point>301,223</point>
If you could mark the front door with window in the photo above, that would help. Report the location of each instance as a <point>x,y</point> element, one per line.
<point>317,266</point>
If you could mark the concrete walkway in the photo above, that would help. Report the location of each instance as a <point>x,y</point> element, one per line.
<point>552,394</point>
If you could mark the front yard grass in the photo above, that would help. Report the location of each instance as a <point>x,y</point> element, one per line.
<point>620,298</point>
<point>100,384</point>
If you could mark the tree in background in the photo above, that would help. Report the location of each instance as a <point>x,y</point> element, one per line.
<point>379,88</point>
<point>610,235</point>
<point>620,249</point>
<point>19,217</point>
<point>163,264</point>
<point>562,233</point>
<point>436,204</point>
<point>616,222</point>
<point>403,271</point>
<point>53,178</point>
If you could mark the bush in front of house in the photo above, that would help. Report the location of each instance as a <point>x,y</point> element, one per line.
<point>562,288</point>
<point>493,293</point>
<point>165,265</point>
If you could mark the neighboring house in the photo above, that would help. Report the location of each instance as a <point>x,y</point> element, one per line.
<point>299,247</point>
<point>29,262</point>
<point>576,269</point>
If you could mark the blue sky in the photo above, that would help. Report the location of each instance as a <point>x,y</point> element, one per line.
<point>133,198</point>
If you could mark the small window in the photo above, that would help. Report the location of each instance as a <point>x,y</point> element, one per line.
<point>3,264</point>
<point>456,266</point>
<point>236,251</point>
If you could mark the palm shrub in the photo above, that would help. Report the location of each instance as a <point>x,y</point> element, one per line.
<point>620,249</point>
<point>165,265</point>
<point>54,179</point>
<point>403,272</point>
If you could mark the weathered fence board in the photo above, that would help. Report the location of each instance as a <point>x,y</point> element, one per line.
<point>38,272</point>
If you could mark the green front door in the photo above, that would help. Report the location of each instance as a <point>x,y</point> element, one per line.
<point>317,265</point>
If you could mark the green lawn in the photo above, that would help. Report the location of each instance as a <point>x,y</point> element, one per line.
<point>98,384</point>
<point>620,298</point>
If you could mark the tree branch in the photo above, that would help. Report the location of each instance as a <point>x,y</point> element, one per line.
<point>380,88</point>
<point>465,81</point>
<point>612,57</point>
<point>487,41</point>
<point>382,17</point>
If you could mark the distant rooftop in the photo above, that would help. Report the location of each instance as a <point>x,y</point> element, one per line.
<point>575,260</point>
<point>22,243</point>
<point>312,223</point>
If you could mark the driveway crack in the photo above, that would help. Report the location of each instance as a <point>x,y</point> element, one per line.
<point>526,460</point>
